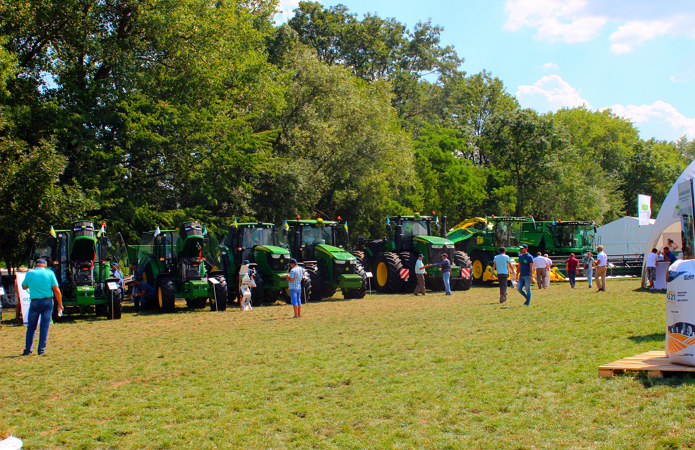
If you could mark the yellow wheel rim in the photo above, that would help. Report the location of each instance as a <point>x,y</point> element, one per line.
<point>159,296</point>
<point>477,269</point>
<point>382,274</point>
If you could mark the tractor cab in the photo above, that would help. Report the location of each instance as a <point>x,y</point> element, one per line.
<point>573,235</point>
<point>413,234</point>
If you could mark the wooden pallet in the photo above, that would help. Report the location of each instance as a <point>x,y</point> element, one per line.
<point>655,363</point>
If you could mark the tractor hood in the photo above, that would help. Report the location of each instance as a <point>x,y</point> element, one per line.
<point>334,252</point>
<point>461,234</point>
<point>273,250</point>
<point>433,240</point>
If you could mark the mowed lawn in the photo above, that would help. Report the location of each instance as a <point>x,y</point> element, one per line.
<point>388,371</point>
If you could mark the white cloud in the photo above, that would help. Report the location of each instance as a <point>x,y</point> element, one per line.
<point>660,119</point>
<point>633,33</point>
<point>550,66</point>
<point>554,19</point>
<point>550,93</point>
<point>286,10</point>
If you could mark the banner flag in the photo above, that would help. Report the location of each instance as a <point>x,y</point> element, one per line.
<point>644,209</point>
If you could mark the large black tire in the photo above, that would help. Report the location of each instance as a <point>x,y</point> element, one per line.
<point>271,296</point>
<point>479,262</point>
<point>358,292</point>
<point>462,260</point>
<point>165,295</point>
<point>220,294</point>
<point>258,292</point>
<point>328,290</point>
<point>316,280</point>
<point>115,305</point>
<point>363,259</point>
<point>197,303</point>
<point>387,267</point>
<point>408,261</point>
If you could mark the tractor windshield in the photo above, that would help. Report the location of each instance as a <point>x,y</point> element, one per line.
<point>319,235</point>
<point>507,234</point>
<point>257,236</point>
<point>414,228</point>
<point>573,236</point>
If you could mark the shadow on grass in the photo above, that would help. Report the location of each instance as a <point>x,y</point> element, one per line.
<point>642,290</point>
<point>673,379</point>
<point>654,337</point>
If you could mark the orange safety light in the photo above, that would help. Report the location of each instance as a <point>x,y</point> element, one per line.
<point>492,215</point>
<point>339,218</point>
<point>297,216</point>
<point>433,213</point>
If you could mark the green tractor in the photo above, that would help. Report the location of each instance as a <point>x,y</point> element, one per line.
<point>258,243</point>
<point>321,246</point>
<point>173,263</point>
<point>81,260</point>
<point>388,258</point>
<point>481,238</point>
<point>558,238</point>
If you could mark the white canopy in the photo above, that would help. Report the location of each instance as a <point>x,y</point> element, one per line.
<point>624,236</point>
<point>668,214</point>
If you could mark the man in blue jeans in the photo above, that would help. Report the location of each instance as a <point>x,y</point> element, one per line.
<point>143,294</point>
<point>295,278</point>
<point>42,286</point>
<point>525,271</point>
<point>445,266</point>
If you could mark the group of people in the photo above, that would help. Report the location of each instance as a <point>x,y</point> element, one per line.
<point>542,265</point>
<point>665,256</point>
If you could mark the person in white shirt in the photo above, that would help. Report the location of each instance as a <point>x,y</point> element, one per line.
<point>420,274</point>
<point>541,266</point>
<point>546,280</point>
<point>652,259</point>
<point>601,263</point>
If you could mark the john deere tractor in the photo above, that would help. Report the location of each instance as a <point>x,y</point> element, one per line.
<point>173,263</point>
<point>481,238</point>
<point>407,237</point>
<point>257,243</point>
<point>558,238</point>
<point>322,247</point>
<point>79,257</point>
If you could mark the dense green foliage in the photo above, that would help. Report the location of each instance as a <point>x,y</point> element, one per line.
<point>141,113</point>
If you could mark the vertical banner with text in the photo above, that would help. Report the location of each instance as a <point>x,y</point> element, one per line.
<point>686,206</point>
<point>644,209</point>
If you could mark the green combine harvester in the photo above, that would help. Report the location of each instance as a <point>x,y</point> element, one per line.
<point>321,246</point>
<point>173,263</point>
<point>560,238</point>
<point>394,256</point>
<point>481,238</point>
<point>80,259</point>
<point>258,243</point>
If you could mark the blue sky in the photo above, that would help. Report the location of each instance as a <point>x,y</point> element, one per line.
<point>636,57</point>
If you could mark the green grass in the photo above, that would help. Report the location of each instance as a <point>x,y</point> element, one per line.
<point>383,372</point>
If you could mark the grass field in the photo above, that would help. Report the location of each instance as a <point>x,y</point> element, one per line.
<point>382,372</point>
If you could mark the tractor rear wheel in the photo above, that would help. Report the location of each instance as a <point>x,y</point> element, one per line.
<point>220,296</point>
<point>479,263</point>
<point>408,260</point>
<point>388,273</point>
<point>115,305</point>
<point>462,260</point>
<point>258,292</point>
<point>166,295</point>
<point>317,287</point>
<point>357,292</point>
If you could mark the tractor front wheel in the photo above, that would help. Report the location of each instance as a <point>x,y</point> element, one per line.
<point>258,292</point>
<point>197,303</point>
<point>220,296</point>
<point>462,260</point>
<point>166,295</point>
<point>357,292</point>
<point>388,273</point>
<point>408,260</point>
<point>115,305</point>
<point>317,287</point>
<point>271,296</point>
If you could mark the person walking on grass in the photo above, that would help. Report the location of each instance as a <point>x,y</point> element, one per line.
<point>420,274</point>
<point>541,266</point>
<point>42,285</point>
<point>601,268</point>
<point>652,259</point>
<point>295,278</point>
<point>548,270</point>
<point>445,267</point>
<point>589,262</point>
<point>525,271</point>
<point>503,264</point>
<point>571,265</point>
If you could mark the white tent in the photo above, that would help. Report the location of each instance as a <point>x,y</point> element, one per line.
<point>625,237</point>
<point>668,214</point>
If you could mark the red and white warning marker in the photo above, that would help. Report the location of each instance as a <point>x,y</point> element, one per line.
<point>466,273</point>
<point>405,274</point>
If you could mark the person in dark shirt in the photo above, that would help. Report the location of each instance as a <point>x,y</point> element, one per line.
<point>669,255</point>
<point>572,264</point>
<point>142,294</point>
<point>525,271</point>
<point>445,266</point>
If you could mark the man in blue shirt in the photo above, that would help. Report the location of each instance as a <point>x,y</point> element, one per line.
<point>42,286</point>
<point>669,255</point>
<point>503,264</point>
<point>295,278</point>
<point>525,270</point>
<point>445,267</point>
<point>142,294</point>
<point>420,274</point>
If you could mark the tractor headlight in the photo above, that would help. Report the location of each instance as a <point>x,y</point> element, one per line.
<point>437,246</point>
<point>449,245</point>
<point>353,261</point>
<point>276,255</point>
<point>340,261</point>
